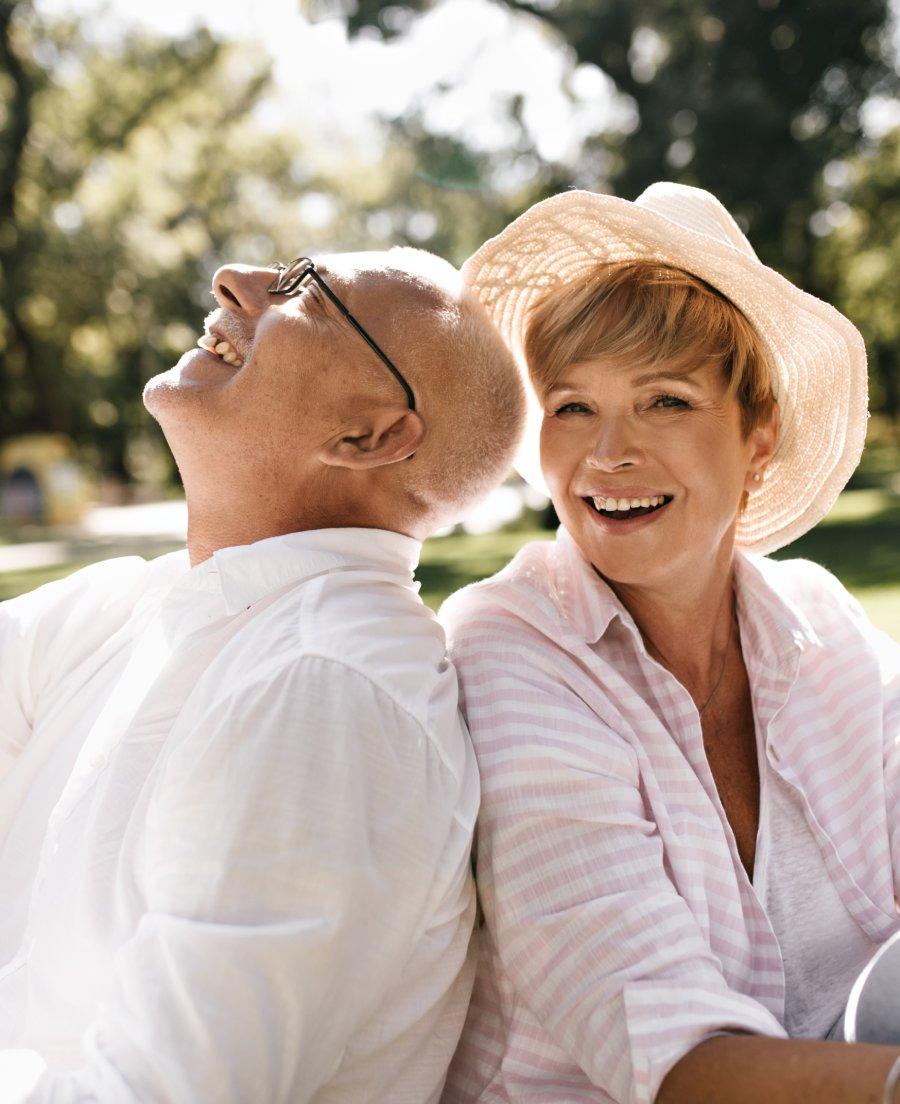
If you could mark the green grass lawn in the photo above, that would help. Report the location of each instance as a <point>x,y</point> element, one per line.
<point>18,582</point>
<point>859,541</point>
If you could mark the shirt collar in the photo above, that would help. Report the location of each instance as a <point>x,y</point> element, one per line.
<point>249,572</point>
<point>773,624</point>
<point>587,601</point>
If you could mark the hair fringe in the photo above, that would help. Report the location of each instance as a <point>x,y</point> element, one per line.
<point>648,313</point>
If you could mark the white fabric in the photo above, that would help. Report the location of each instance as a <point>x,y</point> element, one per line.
<point>822,947</point>
<point>236,805</point>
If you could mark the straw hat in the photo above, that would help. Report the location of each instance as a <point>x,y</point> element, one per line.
<point>817,355</point>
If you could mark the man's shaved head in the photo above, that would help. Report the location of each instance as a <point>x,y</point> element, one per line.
<point>304,427</point>
<point>466,384</point>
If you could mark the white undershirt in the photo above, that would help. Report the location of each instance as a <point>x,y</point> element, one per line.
<point>823,949</point>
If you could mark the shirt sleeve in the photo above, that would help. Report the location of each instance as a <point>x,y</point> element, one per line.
<point>292,861</point>
<point>886,651</point>
<point>45,633</point>
<point>572,877</point>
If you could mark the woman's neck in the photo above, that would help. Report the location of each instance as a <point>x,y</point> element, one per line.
<point>687,624</point>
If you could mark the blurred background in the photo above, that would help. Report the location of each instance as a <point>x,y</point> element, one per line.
<point>142,144</point>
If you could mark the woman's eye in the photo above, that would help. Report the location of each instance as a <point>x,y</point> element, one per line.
<point>570,408</point>
<point>668,402</point>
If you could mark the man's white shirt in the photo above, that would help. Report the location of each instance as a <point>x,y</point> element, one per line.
<point>236,808</point>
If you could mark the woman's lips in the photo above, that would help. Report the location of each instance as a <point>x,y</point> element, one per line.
<point>627,521</point>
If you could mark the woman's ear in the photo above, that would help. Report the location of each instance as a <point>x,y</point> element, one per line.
<point>381,437</point>
<point>764,440</point>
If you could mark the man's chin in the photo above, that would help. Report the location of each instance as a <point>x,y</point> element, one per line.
<point>195,371</point>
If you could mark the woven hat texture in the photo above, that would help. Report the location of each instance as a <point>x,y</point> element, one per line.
<point>817,355</point>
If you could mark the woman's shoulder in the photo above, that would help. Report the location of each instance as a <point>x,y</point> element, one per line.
<point>520,594</point>
<point>801,581</point>
<point>832,612</point>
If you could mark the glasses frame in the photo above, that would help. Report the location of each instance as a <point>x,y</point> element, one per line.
<point>292,277</point>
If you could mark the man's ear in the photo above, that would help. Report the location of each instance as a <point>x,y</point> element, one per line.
<point>382,437</point>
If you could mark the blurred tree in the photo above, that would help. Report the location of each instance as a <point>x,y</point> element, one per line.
<point>860,255</point>
<point>127,168</point>
<point>113,193</point>
<point>751,101</point>
<point>132,165</point>
<point>748,100</point>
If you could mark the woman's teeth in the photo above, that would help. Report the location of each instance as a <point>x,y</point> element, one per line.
<point>611,504</point>
<point>221,349</point>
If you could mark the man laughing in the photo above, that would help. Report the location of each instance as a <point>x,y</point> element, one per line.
<point>236,797</point>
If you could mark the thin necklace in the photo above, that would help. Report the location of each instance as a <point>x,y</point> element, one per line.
<point>721,673</point>
<point>724,657</point>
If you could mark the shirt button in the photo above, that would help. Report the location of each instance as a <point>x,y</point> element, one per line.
<point>775,753</point>
<point>98,760</point>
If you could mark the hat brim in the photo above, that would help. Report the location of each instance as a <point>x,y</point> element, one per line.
<point>817,355</point>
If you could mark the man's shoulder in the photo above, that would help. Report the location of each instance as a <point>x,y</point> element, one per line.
<point>377,628</point>
<point>366,654</point>
<point>98,595</point>
<point>54,628</point>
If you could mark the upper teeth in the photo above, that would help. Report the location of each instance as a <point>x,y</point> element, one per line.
<point>221,348</point>
<point>627,503</point>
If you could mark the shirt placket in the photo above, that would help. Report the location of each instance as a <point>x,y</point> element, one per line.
<point>683,721</point>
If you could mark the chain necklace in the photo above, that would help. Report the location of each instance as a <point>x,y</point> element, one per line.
<point>721,673</point>
<point>731,628</point>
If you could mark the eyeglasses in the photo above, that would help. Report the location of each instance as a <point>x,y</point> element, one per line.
<point>293,277</point>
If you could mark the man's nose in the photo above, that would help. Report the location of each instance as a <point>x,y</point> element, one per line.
<point>243,287</point>
<point>615,446</point>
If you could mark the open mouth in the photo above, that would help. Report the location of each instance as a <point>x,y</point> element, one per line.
<point>221,348</point>
<point>622,509</point>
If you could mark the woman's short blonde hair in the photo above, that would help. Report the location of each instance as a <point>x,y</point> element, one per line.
<point>648,313</point>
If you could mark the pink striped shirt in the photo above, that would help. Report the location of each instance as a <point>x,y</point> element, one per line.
<point>621,928</point>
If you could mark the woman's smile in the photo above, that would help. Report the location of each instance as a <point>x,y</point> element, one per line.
<point>625,517</point>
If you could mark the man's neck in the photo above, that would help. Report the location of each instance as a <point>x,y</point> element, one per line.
<point>212,526</point>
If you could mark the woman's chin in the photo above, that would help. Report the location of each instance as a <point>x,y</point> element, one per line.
<point>632,552</point>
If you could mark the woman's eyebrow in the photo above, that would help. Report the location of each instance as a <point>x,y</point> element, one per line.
<point>558,386</point>
<point>652,377</point>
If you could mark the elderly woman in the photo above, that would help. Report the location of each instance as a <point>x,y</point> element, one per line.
<point>689,844</point>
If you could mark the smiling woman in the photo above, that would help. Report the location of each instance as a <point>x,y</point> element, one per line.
<point>637,360</point>
<point>689,753</point>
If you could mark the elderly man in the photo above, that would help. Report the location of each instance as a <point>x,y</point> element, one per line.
<point>236,798</point>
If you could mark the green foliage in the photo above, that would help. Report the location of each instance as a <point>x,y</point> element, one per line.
<point>749,100</point>
<point>860,258</point>
<point>137,165</point>
<point>131,167</point>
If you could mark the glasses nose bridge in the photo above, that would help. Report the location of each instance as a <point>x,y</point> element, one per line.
<point>289,277</point>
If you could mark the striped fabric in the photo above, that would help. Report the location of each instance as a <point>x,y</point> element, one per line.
<point>621,928</point>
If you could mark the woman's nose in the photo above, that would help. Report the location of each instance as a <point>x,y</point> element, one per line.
<point>614,447</point>
<point>242,287</point>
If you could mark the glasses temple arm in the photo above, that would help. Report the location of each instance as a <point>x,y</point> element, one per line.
<point>373,345</point>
